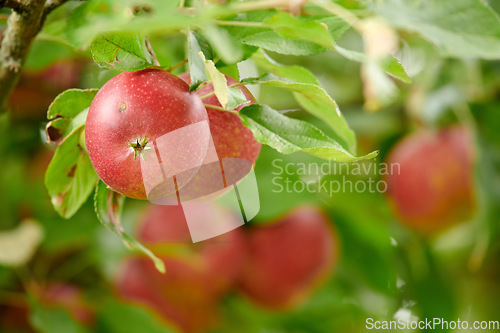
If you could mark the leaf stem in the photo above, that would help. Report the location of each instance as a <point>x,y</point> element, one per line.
<point>209,106</point>
<point>339,11</point>
<point>174,67</point>
<point>239,84</point>
<point>242,24</point>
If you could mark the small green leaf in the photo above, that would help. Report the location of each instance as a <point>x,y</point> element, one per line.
<point>117,316</point>
<point>336,26</point>
<point>236,98</point>
<point>70,176</point>
<point>459,28</point>
<point>308,93</point>
<point>196,63</point>
<point>71,102</point>
<point>53,319</point>
<point>288,135</point>
<point>226,46</point>
<point>67,112</point>
<point>390,65</point>
<point>229,98</point>
<point>273,41</point>
<point>122,51</point>
<point>293,27</point>
<point>108,205</point>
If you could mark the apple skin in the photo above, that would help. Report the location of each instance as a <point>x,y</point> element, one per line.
<point>288,258</point>
<point>197,275</point>
<point>434,188</point>
<point>231,138</point>
<point>130,107</point>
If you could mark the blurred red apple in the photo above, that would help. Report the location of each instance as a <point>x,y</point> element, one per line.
<point>287,258</point>
<point>69,297</point>
<point>197,275</point>
<point>434,185</point>
<point>37,89</point>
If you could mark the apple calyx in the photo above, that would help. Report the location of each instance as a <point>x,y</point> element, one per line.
<point>139,147</point>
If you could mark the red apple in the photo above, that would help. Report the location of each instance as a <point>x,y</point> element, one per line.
<point>287,258</point>
<point>197,275</point>
<point>231,138</point>
<point>433,187</point>
<point>129,117</point>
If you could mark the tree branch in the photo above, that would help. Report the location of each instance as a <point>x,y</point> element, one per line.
<point>16,5</point>
<point>24,23</point>
<point>50,5</point>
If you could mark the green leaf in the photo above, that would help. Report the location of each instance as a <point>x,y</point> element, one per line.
<point>309,94</point>
<point>273,41</point>
<point>459,28</point>
<point>53,319</point>
<point>117,316</point>
<point>70,176</point>
<point>336,26</point>
<point>226,46</point>
<point>293,27</point>
<point>229,98</point>
<point>288,135</point>
<point>68,111</point>
<point>122,51</point>
<point>108,205</point>
<point>71,102</point>
<point>196,63</point>
<point>390,65</point>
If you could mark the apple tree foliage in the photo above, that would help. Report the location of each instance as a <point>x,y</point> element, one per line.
<point>218,37</point>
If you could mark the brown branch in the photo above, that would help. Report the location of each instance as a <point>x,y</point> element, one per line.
<point>16,5</point>
<point>50,5</point>
<point>23,24</point>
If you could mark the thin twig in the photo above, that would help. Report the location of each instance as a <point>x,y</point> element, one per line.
<point>174,67</point>
<point>239,84</point>
<point>152,52</point>
<point>339,11</point>
<point>50,5</point>
<point>242,24</point>
<point>209,106</point>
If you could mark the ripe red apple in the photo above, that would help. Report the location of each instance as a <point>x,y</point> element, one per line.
<point>231,138</point>
<point>129,117</point>
<point>287,258</point>
<point>434,187</point>
<point>197,275</point>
